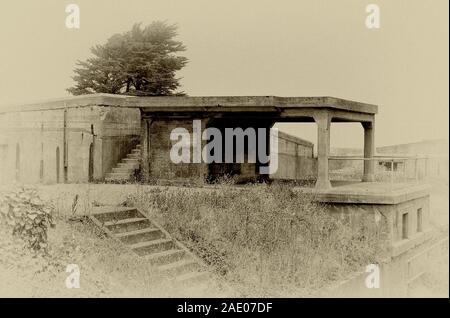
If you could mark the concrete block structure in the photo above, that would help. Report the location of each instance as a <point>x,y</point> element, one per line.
<point>255,111</point>
<point>66,140</point>
<point>97,137</point>
<point>400,211</point>
<point>113,137</point>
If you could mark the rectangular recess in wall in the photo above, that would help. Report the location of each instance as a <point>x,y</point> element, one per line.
<point>405,226</point>
<point>419,220</point>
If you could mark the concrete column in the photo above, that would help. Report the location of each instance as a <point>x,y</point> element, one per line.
<point>145,141</point>
<point>203,170</point>
<point>369,151</point>
<point>323,121</point>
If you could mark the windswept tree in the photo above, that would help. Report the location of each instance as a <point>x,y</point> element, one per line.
<point>142,61</point>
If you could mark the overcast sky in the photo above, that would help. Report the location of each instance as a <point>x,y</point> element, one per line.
<point>257,47</point>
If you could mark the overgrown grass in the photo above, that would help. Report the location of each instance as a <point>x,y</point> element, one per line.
<point>265,240</point>
<point>107,269</point>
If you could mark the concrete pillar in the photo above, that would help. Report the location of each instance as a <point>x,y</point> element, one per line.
<point>203,170</point>
<point>323,121</point>
<point>145,141</point>
<point>369,151</point>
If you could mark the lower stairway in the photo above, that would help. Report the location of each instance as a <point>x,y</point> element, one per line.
<point>149,240</point>
<point>126,169</point>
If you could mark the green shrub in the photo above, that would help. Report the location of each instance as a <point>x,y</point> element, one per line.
<point>28,216</point>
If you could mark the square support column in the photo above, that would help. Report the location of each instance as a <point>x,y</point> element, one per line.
<point>145,142</point>
<point>369,151</point>
<point>323,121</point>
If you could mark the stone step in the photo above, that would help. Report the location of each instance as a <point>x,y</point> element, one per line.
<point>117,176</point>
<point>193,277</point>
<point>116,180</point>
<point>134,156</point>
<point>140,235</point>
<point>115,214</point>
<point>123,170</point>
<point>181,267</point>
<point>148,247</point>
<point>128,165</point>
<point>127,225</point>
<point>130,160</point>
<point>166,257</point>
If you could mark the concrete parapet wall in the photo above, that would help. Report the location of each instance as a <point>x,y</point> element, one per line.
<point>295,159</point>
<point>397,275</point>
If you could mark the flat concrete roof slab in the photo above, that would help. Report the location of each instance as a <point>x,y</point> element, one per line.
<point>198,103</point>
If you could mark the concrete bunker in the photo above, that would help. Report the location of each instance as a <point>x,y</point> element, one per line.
<point>161,114</point>
<point>89,137</point>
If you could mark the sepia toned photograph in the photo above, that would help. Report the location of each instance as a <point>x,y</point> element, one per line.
<point>226,150</point>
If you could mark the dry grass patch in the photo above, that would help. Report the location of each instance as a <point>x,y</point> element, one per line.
<point>264,240</point>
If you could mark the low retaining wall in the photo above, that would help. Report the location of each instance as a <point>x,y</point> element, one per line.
<point>396,274</point>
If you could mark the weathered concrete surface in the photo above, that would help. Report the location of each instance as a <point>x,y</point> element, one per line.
<point>157,145</point>
<point>295,159</point>
<point>369,151</point>
<point>189,103</point>
<point>80,139</point>
<point>254,109</point>
<point>55,145</point>
<point>397,274</point>
<point>323,121</point>
<point>400,211</point>
<point>370,192</point>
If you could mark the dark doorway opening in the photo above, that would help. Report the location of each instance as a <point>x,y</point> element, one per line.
<point>91,163</point>
<point>245,171</point>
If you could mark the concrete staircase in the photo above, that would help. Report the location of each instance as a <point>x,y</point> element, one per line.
<point>149,240</point>
<point>126,169</point>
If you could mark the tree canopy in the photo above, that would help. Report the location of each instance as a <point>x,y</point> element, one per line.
<point>142,61</point>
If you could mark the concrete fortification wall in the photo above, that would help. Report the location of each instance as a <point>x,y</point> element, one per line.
<point>72,144</point>
<point>81,139</point>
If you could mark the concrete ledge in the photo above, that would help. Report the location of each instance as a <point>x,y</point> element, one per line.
<point>369,193</point>
<point>68,102</point>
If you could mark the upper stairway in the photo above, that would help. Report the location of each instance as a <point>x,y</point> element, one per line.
<point>126,170</point>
